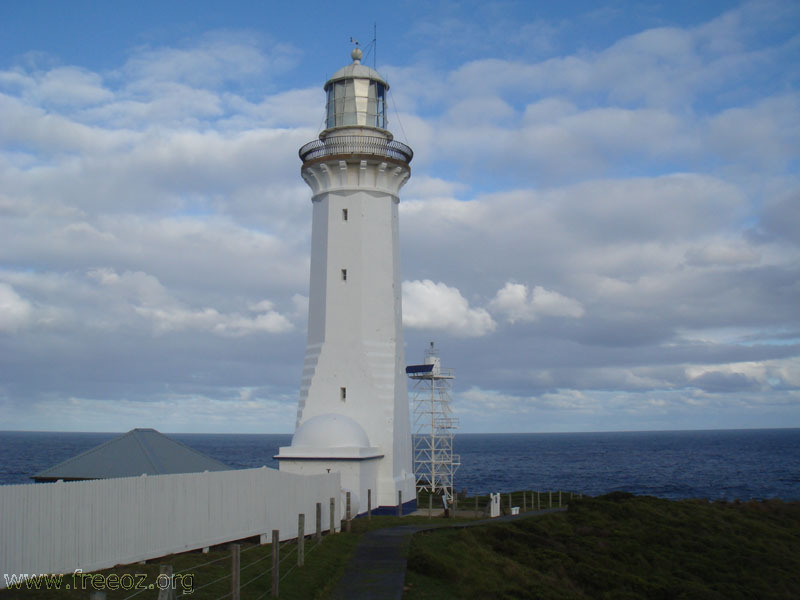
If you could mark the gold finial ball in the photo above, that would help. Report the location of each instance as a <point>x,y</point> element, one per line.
<point>356,54</point>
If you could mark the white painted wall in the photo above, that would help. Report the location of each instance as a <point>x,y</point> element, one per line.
<point>92,525</point>
<point>358,476</point>
<point>355,325</point>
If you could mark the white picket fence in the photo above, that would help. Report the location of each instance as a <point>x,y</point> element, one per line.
<point>91,525</point>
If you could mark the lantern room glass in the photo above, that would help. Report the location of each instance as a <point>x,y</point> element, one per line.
<point>356,102</point>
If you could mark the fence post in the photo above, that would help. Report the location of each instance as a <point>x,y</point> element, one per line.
<point>524,501</point>
<point>333,516</point>
<point>319,522</point>
<point>276,561</point>
<point>559,498</point>
<point>476,504</point>
<point>430,505</point>
<point>164,593</point>
<point>347,514</point>
<point>549,499</point>
<point>235,571</point>
<point>301,540</point>
<point>369,504</point>
<point>399,503</point>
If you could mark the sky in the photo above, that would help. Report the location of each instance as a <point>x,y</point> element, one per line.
<point>601,231</point>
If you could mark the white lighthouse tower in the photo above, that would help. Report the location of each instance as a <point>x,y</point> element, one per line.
<point>353,412</point>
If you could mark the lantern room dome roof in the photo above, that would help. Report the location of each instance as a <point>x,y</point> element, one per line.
<point>356,70</point>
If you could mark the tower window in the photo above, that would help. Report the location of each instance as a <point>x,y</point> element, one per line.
<point>344,214</point>
<point>343,394</point>
<point>344,274</point>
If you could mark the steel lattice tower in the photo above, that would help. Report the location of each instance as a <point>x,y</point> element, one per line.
<point>435,463</point>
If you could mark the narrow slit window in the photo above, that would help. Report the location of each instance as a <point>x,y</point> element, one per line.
<point>343,394</point>
<point>344,214</point>
<point>344,274</point>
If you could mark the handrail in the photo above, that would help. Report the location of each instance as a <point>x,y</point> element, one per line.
<point>356,144</point>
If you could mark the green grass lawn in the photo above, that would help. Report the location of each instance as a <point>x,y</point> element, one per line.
<point>617,546</point>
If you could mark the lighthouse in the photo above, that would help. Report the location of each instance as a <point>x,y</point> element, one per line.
<point>353,415</point>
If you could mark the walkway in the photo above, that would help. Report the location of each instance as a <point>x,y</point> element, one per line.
<point>377,569</point>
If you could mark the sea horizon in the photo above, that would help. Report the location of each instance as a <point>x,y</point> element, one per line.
<point>728,464</point>
<point>699,429</point>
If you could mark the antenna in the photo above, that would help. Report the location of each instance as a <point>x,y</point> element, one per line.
<point>371,47</point>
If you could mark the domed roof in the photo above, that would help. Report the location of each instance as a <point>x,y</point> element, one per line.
<point>330,431</point>
<point>356,70</point>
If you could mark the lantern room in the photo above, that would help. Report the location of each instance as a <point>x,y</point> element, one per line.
<point>356,96</point>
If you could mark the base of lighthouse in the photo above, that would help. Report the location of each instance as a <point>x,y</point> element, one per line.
<point>335,443</point>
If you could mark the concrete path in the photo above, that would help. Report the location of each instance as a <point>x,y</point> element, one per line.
<point>377,569</point>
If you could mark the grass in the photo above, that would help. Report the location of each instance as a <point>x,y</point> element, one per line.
<point>617,546</point>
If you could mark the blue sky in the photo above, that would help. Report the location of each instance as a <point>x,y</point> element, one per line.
<point>600,231</point>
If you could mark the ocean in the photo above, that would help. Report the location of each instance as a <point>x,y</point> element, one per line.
<point>720,464</point>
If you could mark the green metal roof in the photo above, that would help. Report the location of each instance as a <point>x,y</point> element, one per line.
<point>140,451</point>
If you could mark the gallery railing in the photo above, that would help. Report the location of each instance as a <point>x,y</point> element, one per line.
<point>356,145</point>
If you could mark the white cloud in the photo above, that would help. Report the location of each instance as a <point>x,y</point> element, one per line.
<point>767,134</point>
<point>436,306</point>
<point>15,311</point>
<point>518,303</point>
<point>142,294</point>
<point>71,86</point>
<point>216,58</point>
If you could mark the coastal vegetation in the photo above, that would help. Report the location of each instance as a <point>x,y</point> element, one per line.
<point>617,546</point>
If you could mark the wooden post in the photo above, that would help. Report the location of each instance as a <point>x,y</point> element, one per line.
<point>301,540</point>
<point>399,503</point>
<point>319,522</point>
<point>369,504</point>
<point>164,584</point>
<point>276,560</point>
<point>476,505</point>
<point>549,499</point>
<point>430,505</point>
<point>347,514</point>
<point>333,516</point>
<point>235,571</point>
<point>455,503</point>
<point>524,499</point>
<point>559,498</point>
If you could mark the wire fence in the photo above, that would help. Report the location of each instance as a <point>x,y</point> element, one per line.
<point>208,579</point>
<point>226,577</point>
<point>480,505</point>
